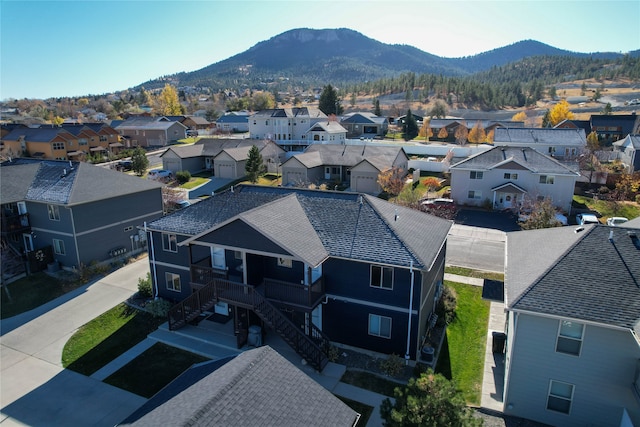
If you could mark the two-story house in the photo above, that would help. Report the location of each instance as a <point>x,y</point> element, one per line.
<point>560,143</point>
<point>233,122</point>
<point>613,127</point>
<point>144,131</point>
<point>317,267</point>
<point>84,212</point>
<point>288,127</point>
<point>356,166</point>
<point>628,150</point>
<point>510,177</point>
<point>572,296</point>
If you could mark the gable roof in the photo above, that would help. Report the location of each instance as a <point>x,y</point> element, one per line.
<point>351,155</point>
<point>213,146</point>
<point>329,127</point>
<point>290,112</point>
<point>40,134</point>
<point>149,123</point>
<point>535,136</point>
<point>63,182</point>
<point>233,118</point>
<point>580,275</point>
<point>362,117</point>
<point>527,157</point>
<point>258,387</point>
<point>320,224</point>
<point>629,141</point>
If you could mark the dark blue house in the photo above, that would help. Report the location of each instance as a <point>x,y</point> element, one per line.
<point>318,267</point>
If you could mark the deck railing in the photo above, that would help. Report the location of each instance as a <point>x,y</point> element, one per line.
<point>291,293</point>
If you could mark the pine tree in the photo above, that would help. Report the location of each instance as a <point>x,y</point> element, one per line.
<point>330,102</point>
<point>410,127</point>
<point>254,166</point>
<point>139,161</point>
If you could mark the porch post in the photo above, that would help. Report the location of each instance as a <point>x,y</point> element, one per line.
<point>494,200</point>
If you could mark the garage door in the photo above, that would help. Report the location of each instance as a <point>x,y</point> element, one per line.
<point>294,178</point>
<point>172,165</point>
<point>366,184</point>
<point>226,170</point>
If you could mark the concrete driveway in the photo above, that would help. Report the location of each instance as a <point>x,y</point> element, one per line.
<point>35,390</point>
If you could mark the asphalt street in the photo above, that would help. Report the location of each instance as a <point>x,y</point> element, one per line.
<point>476,248</point>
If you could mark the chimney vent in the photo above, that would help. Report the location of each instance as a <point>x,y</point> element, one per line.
<point>611,236</point>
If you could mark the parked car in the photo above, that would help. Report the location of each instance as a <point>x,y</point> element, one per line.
<point>159,174</point>
<point>616,220</point>
<point>192,132</point>
<point>182,204</point>
<point>124,165</point>
<point>438,203</point>
<point>586,218</point>
<point>523,216</point>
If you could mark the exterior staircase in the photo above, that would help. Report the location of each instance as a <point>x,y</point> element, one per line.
<point>312,348</point>
<point>12,264</point>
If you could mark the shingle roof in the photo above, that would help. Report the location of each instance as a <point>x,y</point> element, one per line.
<point>64,182</point>
<point>350,155</point>
<point>362,117</point>
<point>34,134</point>
<point>579,275</point>
<point>144,122</point>
<point>525,156</point>
<point>290,112</point>
<point>185,151</point>
<point>534,136</point>
<point>329,127</point>
<point>347,225</point>
<point>233,118</point>
<point>629,141</point>
<point>256,388</point>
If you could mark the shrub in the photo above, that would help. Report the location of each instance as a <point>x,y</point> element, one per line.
<point>158,307</point>
<point>333,354</point>
<point>446,309</point>
<point>144,286</point>
<point>392,365</point>
<point>183,177</point>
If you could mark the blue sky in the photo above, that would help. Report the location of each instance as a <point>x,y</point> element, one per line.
<point>73,48</point>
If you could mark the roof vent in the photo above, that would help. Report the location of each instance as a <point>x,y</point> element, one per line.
<point>611,236</point>
<point>360,199</point>
<point>396,216</point>
<point>232,189</point>
<point>64,172</point>
<point>578,230</point>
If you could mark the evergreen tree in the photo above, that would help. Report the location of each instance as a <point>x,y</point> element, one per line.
<point>410,127</point>
<point>330,102</point>
<point>376,108</point>
<point>254,166</point>
<point>139,161</point>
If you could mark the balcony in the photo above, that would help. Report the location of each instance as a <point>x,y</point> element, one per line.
<point>15,223</point>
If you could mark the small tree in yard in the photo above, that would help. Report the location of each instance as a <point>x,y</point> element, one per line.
<point>254,166</point>
<point>392,181</point>
<point>432,183</point>
<point>543,215</point>
<point>139,161</point>
<point>428,401</point>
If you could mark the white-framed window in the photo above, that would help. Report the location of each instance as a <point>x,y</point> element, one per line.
<point>476,174</point>
<point>379,326</point>
<point>54,212</point>
<point>285,262</point>
<point>58,247</point>
<point>381,277</point>
<point>508,175</point>
<point>570,337</point>
<point>83,141</point>
<point>474,194</point>
<point>169,242</point>
<point>547,179</point>
<point>218,259</point>
<point>173,281</point>
<point>560,396</point>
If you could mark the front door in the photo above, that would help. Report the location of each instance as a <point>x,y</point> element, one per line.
<point>327,173</point>
<point>28,242</point>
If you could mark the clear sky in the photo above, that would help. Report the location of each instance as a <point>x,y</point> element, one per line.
<point>73,48</point>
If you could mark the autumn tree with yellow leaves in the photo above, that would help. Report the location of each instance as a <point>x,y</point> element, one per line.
<point>477,134</point>
<point>166,103</point>
<point>425,130</point>
<point>560,112</point>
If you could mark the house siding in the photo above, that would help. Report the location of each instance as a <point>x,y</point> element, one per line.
<point>602,374</point>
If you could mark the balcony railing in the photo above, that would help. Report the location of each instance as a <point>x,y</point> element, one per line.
<point>293,294</point>
<point>15,223</point>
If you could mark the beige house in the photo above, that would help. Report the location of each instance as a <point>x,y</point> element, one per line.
<point>142,131</point>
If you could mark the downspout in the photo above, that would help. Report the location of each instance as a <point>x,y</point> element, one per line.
<point>406,355</point>
<point>153,262</point>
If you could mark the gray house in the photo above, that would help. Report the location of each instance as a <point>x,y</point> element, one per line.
<point>560,143</point>
<point>628,151</point>
<point>236,121</point>
<point>256,388</point>
<point>510,177</point>
<point>356,166</point>
<point>573,316</point>
<point>364,124</point>
<point>144,131</point>
<point>82,212</point>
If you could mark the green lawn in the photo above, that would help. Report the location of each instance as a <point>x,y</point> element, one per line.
<point>365,411</point>
<point>106,337</point>
<point>194,182</point>
<point>607,208</point>
<point>31,292</point>
<point>153,370</point>
<point>461,271</point>
<point>465,342</point>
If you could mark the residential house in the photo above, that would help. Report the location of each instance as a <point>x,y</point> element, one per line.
<point>575,124</point>
<point>364,124</point>
<point>288,127</point>
<point>509,177</point>
<point>258,387</point>
<point>318,267</point>
<point>328,132</point>
<point>83,212</point>
<point>355,166</point>
<point>613,127</point>
<point>451,126</point>
<point>561,143</point>
<point>628,150</point>
<point>400,121</point>
<point>233,122</point>
<point>573,309</point>
<point>43,143</point>
<point>225,158</point>
<point>191,122</point>
<point>144,131</point>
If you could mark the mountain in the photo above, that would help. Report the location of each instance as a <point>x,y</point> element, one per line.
<point>342,56</point>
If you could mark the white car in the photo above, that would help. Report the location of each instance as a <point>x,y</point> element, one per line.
<point>586,218</point>
<point>616,220</point>
<point>159,174</point>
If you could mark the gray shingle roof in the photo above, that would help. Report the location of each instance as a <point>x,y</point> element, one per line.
<point>580,275</point>
<point>256,388</point>
<point>34,134</point>
<point>362,117</point>
<point>629,141</point>
<point>535,136</point>
<point>351,155</point>
<point>63,182</point>
<point>345,225</point>
<point>525,156</point>
<point>290,112</point>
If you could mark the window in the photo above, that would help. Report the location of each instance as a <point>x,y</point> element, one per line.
<point>285,262</point>
<point>474,194</point>
<point>82,141</point>
<point>570,337</point>
<point>560,396</point>
<point>379,326</point>
<point>129,228</point>
<point>510,176</point>
<point>381,277</point>
<point>103,138</point>
<point>58,145</point>
<point>552,150</point>
<point>173,281</point>
<point>237,254</point>
<point>169,242</point>
<point>476,175</point>
<point>58,247</point>
<point>546,179</point>
<point>54,212</point>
